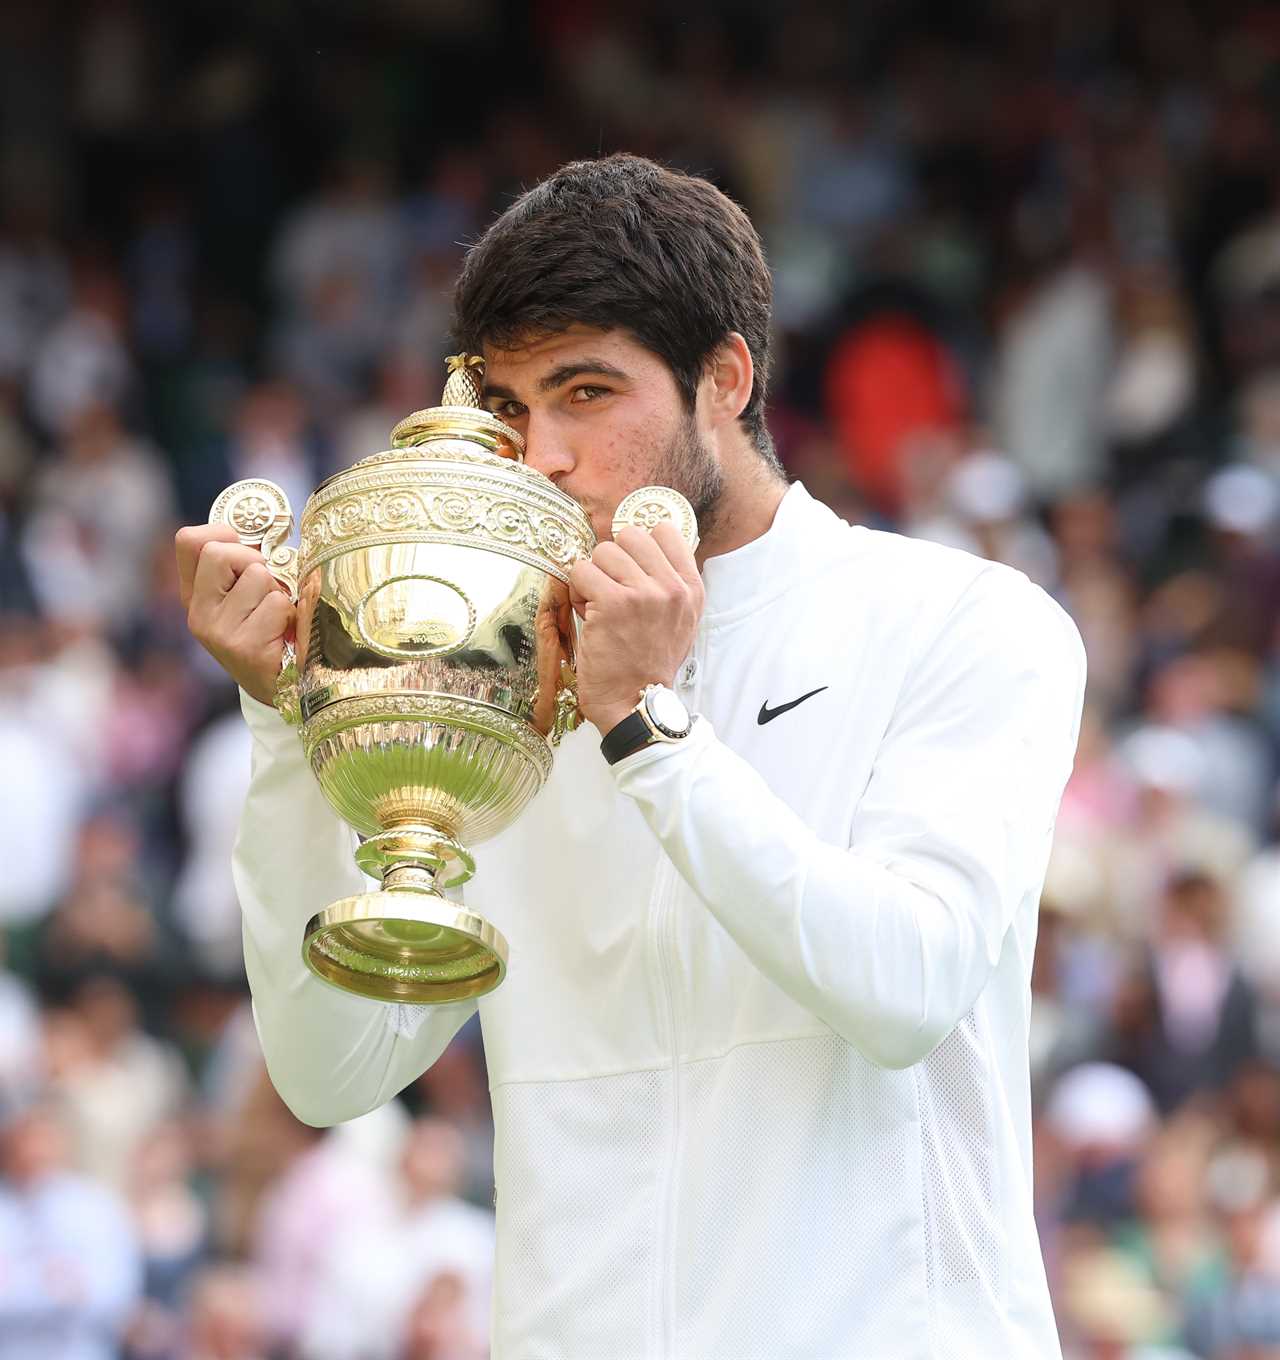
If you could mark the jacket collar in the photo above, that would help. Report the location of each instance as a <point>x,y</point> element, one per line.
<point>740,580</point>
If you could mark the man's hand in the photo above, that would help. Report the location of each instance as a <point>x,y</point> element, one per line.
<point>238,612</point>
<point>640,599</point>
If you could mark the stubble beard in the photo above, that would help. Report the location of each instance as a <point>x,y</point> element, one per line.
<point>688,466</point>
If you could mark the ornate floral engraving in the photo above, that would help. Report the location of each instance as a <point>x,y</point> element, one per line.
<point>251,515</point>
<point>450,503</point>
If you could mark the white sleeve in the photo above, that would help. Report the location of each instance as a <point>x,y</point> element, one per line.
<point>331,1055</point>
<point>890,939</point>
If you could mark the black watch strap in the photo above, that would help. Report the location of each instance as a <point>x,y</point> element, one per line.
<point>625,738</point>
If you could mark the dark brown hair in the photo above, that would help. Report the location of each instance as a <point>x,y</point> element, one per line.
<point>625,243</point>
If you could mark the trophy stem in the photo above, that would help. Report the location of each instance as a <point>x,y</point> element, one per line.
<point>409,878</point>
<point>415,844</point>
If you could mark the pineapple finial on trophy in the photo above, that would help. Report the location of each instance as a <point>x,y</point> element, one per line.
<point>463,385</point>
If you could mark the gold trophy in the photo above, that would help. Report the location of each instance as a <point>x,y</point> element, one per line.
<point>431,676</point>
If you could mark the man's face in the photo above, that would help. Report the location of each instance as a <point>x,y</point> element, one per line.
<point>601,416</point>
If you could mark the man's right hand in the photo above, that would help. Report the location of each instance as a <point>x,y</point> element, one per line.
<point>238,612</point>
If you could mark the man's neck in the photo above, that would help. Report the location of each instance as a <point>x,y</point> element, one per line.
<point>750,499</point>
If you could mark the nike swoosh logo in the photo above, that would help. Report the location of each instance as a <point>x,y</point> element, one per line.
<point>768,714</point>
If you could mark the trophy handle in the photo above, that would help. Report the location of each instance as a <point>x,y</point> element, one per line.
<point>568,715</point>
<point>260,513</point>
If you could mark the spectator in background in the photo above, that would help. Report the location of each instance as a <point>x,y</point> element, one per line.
<point>984,511</point>
<point>226,1317</point>
<point>104,924</point>
<point>440,1325</point>
<point>1168,829</point>
<point>211,787</point>
<point>273,436</point>
<point>337,266</point>
<point>20,1038</point>
<point>173,1235</point>
<point>373,1276</point>
<point>1100,1120</point>
<point>47,762</point>
<point>113,1082</point>
<point>1255,934</point>
<point>1050,371</point>
<point>82,360</point>
<point>96,510</point>
<point>889,381</point>
<point>324,1192</point>
<point>1171,1240</point>
<point>35,285</point>
<point>69,1269</point>
<point>1185,1019</point>
<point>1236,1311</point>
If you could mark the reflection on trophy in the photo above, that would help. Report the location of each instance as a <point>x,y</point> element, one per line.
<point>433,675</point>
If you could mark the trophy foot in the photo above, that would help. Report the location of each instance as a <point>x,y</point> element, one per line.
<point>406,944</point>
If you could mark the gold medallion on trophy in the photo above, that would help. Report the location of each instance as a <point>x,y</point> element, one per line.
<point>650,506</point>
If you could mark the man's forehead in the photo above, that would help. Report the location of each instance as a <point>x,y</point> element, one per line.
<point>543,346</point>
<point>531,357</point>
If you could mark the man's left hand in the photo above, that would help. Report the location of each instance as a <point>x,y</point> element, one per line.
<point>640,598</point>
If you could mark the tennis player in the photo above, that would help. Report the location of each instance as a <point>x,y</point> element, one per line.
<point>759,1065</point>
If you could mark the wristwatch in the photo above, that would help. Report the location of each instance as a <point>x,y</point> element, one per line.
<point>659,716</point>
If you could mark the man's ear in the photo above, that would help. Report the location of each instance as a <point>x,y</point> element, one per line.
<point>728,380</point>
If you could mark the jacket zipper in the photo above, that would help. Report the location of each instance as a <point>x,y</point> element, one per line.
<point>664,948</point>
<point>688,684</point>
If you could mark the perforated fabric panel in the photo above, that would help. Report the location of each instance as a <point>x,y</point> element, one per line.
<point>964,1233</point>
<point>799,1204</point>
<point>577,1167</point>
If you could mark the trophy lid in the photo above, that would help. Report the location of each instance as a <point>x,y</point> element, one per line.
<point>461,414</point>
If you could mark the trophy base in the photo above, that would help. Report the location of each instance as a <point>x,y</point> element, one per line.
<point>404,945</point>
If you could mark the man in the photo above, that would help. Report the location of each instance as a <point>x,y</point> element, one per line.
<point>759,1064</point>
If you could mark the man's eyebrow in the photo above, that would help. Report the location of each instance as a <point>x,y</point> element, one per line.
<point>597,367</point>
<point>558,377</point>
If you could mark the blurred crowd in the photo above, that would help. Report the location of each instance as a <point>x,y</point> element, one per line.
<point>1027,269</point>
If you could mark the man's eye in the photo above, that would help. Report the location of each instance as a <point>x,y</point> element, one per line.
<point>511,410</point>
<point>588,393</point>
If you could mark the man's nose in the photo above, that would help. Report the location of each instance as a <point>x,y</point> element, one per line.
<point>546,453</point>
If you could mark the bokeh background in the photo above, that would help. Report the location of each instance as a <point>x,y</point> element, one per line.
<point>1027,265</point>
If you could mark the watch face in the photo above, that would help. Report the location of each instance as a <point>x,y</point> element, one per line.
<point>667,711</point>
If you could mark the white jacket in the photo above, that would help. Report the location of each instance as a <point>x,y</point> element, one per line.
<point>759,1064</point>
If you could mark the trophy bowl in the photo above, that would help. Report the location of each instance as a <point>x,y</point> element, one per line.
<point>432,679</point>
